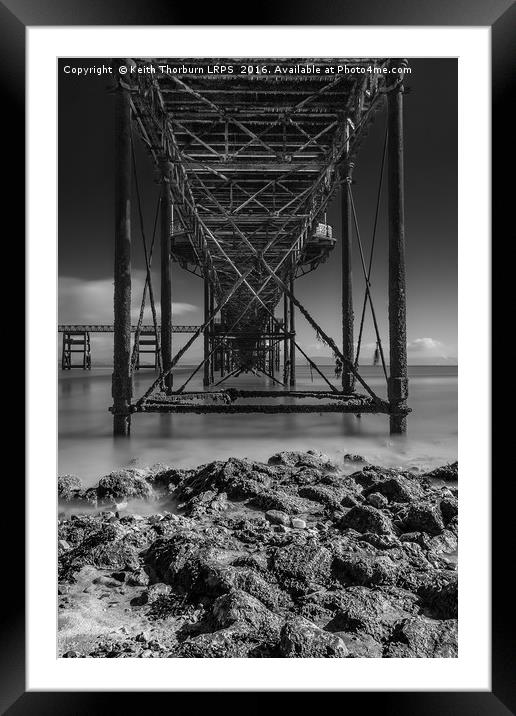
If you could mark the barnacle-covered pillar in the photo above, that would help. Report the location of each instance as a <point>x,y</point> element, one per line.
<point>206,334</point>
<point>166,274</point>
<point>292,329</point>
<point>347,285</point>
<point>121,386</point>
<point>398,381</point>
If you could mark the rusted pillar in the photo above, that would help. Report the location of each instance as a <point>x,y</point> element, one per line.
<point>121,387</point>
<point>398,381</point>
<point>206,336</point>
<point>210,334</point>
<point>285,340</point>
<point>292,328</point>
<point>271,348</point>
<point>347,285</point>
<point>166,274</point>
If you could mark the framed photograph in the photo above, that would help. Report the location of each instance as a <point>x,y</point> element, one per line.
<point>258,355</point>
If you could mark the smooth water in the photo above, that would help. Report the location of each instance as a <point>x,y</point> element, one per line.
<point>88,449</point>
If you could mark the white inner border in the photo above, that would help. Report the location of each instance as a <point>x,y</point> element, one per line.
<point>472,669</point>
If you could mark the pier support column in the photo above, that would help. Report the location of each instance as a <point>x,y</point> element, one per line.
<point>210,334</point>
<point>166,274</point>
<point>121,387</point>
<point>285,340</point>
<point>348,380</point>
<point>398,381</point>
<point>206,335</point>
<point>292,329</point>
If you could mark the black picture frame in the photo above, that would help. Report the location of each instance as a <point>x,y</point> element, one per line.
<point>500,15</point>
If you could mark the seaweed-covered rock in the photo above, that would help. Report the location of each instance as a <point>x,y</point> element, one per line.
<point>368,611</point>
<point>441,598</point>
<point>311,458</point>
<point>424,517</point>
<point>447,473</point>
<point>418,637</point>
<point>68,487</point>
<point>397,489</point>
<point>296,565</point>
<point>238,607</point>
<point>123,484</point>
<point>365,518</point>
<point>322,494</point>
<point>288,559</point>
<point>360,568</point>
<point>284,502</point>
<point>303,640</point>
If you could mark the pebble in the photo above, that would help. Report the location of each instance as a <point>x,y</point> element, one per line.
<point>298,524</point>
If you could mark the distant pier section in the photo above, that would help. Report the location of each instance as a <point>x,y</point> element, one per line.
<point>76,340</point>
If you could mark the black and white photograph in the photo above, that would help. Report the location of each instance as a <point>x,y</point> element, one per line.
<point>258,358</point>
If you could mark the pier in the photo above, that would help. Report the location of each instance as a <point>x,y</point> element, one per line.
<point>246,166</point>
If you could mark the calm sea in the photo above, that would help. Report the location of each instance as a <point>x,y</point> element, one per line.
<point>87,448</point>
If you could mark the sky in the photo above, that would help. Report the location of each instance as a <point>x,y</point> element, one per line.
<point>86,223</point>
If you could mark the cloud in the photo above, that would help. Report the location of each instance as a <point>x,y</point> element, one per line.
<point>83,301</point>
<point>427,348</point>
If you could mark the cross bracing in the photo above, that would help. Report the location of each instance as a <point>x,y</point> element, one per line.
<point>253,161</point>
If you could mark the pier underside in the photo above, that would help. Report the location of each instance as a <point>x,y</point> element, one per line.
<point>247,164</point>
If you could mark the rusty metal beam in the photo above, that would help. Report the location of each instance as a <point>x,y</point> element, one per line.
<point>398,380</point>
<point>121,380</point>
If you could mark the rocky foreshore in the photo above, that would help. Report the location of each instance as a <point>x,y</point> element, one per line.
<point>291,558</point>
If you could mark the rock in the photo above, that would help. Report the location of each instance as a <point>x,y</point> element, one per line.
<point>138,579</point>
<point>156,591</point>
<point>398,488</point>
<point>122,484</point>
<point>367,611</point>
<point>303,640</point>
<point>275,517</point>
<point>299,565</point>
<point>239,479</point>
<point>449,509</point>
<point>420,538</point>
<point>441,599</point>
<point>418,637</point>
<point>70,654</point>
<point>365,518</point>
<point>238,607</point>
<point>361,646</point>
<point>298,524</point>
<point>353,458</point>
<point>229,643</point>
<point>327,496</point>
<point>281,501</point>
<point>253,545</point>
<point>424,517</point>
<point>68,487</point>
<point>447,473</point>
<point>364,570</point>
<point>376,499</point>
<point>311,458</point>
<point>162,477</point>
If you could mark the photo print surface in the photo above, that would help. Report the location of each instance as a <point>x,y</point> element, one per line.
<point>258,358</point>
